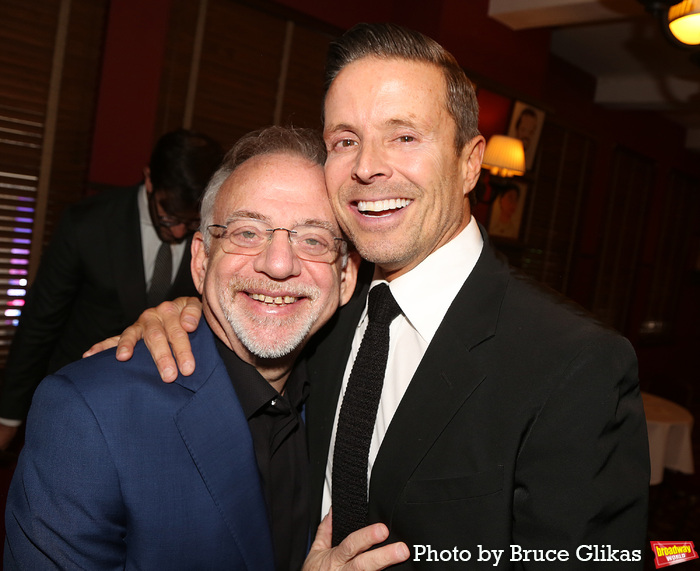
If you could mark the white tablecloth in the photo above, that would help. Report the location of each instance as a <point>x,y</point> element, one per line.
<point>669,426</point>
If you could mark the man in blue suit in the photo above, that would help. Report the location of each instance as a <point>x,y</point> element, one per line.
<point>123,471</point>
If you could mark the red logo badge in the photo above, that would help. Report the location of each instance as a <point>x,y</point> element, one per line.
<point>668,553</point>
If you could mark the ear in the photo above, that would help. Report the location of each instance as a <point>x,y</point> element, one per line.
<point>200,260</point>
<point>348,277</point>
<point>470,162</point>
<point>147,179</point>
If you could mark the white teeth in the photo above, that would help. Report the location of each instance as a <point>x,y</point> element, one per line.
<point>382,205</point>
<point>279,300</point>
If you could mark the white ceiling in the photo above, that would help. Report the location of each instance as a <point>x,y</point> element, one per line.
<point>623,47</point>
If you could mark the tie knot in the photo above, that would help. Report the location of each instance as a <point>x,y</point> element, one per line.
<point>382,307</point>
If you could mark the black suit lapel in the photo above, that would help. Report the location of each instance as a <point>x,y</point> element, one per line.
<point>448,374</point>
<point>446,377</point>
<point>183,285</point>
<point>127,256</point>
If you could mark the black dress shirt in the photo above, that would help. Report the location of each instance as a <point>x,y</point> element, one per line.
<point>279,440</point>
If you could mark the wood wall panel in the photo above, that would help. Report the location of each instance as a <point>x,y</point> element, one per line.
<point>677,245</point>
<point>303,95</point>
<point>245,73</point>
<point>629,194</point>
<point>553,210</point>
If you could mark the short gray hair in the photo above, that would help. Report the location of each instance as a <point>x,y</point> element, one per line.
<point>305,143</point>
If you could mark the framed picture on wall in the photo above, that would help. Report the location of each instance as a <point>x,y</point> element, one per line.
<point>526,124</point>
<point>507,209</point>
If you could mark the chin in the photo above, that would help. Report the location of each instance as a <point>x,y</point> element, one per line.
<point>278,342</point>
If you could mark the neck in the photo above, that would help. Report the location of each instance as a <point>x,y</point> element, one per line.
<point>274,371</point>
<point>391,272</point>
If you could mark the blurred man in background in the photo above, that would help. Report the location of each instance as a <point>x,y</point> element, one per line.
<point>111,256</point>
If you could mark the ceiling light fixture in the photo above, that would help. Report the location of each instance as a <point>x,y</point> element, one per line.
<point>684,22</point>
<point>679,20</point>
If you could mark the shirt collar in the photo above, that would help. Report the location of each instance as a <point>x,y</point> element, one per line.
<point>253,391</point>
<point>426,292</point>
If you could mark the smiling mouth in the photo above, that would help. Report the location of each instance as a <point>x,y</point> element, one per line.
<point>277,300</point>
<point>382,207</point>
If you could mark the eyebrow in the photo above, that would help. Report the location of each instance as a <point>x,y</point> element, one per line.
<point>402,123</point>
<point>247,214</point>
<point>320,224</point>
<point>338,127</point>
<point>262,218</point>
<point>392,123</point>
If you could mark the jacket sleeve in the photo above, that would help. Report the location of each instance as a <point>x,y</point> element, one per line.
<point>44,316</point>
<point>582,475</point>
<point>64,506</point>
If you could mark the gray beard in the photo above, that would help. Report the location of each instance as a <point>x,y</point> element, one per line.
<point>300,325</point>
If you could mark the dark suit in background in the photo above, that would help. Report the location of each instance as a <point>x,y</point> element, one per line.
<point>90,285</point>
<point>522,425</point>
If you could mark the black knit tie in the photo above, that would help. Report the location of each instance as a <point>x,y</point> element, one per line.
<point>357,416</point>
<point>162,274</point>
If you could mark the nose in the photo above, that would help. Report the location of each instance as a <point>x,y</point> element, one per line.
<point>179,231</point>
<point>371,163</point>
<point>278,260</point>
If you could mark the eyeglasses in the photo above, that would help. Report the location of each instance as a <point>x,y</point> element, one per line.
<point>170,221</point>
<point>156,199</point>
<point>250,237</point>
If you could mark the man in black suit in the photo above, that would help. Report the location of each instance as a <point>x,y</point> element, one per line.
<point>510,429</point>
<point>96,275</point>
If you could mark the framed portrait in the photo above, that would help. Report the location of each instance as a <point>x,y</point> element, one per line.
<point>507,210</point>
<point>526,124</point>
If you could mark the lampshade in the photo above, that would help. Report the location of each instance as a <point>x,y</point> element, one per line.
<point>504,156</point>
<point>684,21</point>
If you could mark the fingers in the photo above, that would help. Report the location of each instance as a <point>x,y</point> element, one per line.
<point>127,341</point>
<point>191,313</point>
<point>352,554</point>
<point>157,326</point>
<point>178,318</point>
<point>164,331</point>
<point>324,534</point>
<point>380,558</point>
<point>360,541</point>
<point>101,346</point>
<point>165,334</point>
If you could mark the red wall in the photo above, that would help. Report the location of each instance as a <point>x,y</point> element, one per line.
<point>518,62</point>
<point>128,96</point>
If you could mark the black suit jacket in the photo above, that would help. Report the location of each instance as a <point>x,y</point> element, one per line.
<point>523,425</point>
<point>90,285</point>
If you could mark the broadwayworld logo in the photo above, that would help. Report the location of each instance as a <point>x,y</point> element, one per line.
<point>668,553</point>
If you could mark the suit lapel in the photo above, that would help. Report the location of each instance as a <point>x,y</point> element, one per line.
<point>448,374</point>
<point>182,284</point>
<point>216,433</point>
<point>126,254</point>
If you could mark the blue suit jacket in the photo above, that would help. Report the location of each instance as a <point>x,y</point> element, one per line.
<point>123,471</point>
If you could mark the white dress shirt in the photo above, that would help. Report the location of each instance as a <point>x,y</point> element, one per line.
<point>424,295</point>
<point>150,242</point>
